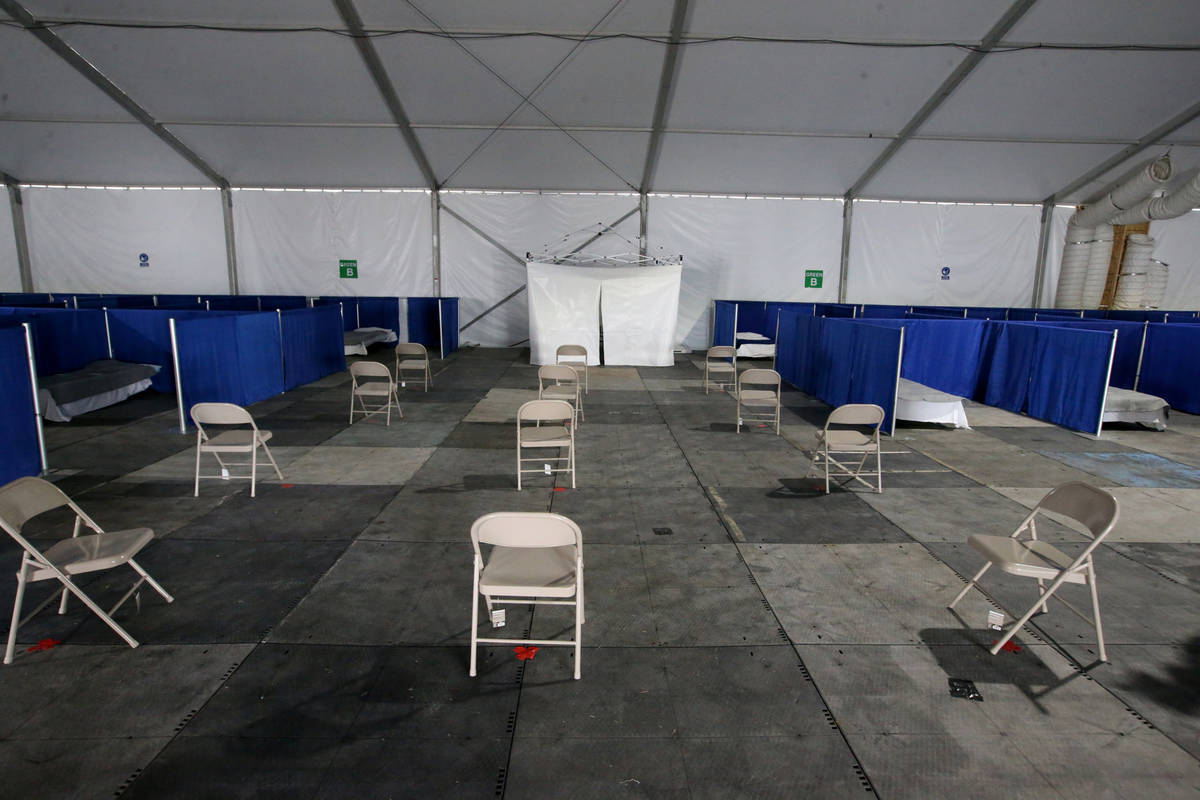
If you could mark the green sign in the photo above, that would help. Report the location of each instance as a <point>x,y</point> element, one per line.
<point>348,268</point>
<point>813,278</point>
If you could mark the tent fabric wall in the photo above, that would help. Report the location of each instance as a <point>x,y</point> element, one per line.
<point>18,414</point>
<point>638,309</point>
<point>291,242</point>
<point>230,358</point>
<point>1170,364</point>
<point>898,252</point>
<point>312,344</point>
<point>481,275</point>
<point>744,248</point>
<point>63,339</point>
<point>91,240</point>
<point>10,266</point>
<point>564,308</point>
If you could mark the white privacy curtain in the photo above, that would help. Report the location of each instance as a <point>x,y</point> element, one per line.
<point>638,307</point>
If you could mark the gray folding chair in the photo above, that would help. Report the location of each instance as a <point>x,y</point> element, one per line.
<point>536,557</point>
<point>758,397</point>
<point>372,380</point>
<point>413,357</point>
<point>235,440</point>
<point>720,367</point>
<point>1095,509</point>
<point>561,382</point>
<point>540,436</point>
<point>26,498</point>
<point>837,438</point>
<point>574,355</point>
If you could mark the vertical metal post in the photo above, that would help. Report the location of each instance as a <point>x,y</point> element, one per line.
<point>37,400</point>
<point>178,381</point>
<point>107,332</point>
<point>735,316</point>
<point>847,220</point>
<point>441,336</point>
<point>230,244</point>
<point>20,237</point>
<point>1112,352</point>
<point>896,391</point>
<point>643,222</point>
<point>1039,271</point>
<point>775,352</point>
<point>436,228</point>
<point>282,357</point>
<point>1141,352</point>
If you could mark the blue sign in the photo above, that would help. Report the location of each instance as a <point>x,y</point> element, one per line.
<point>945,273</point>
<point>143,259</point>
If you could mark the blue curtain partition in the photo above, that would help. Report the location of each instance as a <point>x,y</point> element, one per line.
<point>423,321</point>
<point>143,336</point>
<point>1171,364</point>
<point>1069,377</point>
<point>233,302</point>
<point>449,325</point>
<point>22,298</point>
<point>723,311</point>
<point>282,302</point>
<point>1129,345</point>
<point>348,306</point>
<point>982,312</point>
<point>883,312</point>
<point>379,312</point>
<point>18,415</point>
<point>946,354</point>
<point>312,344</point>
<point>834,310</point>
<point>63,339</point>
<point>230,358</point>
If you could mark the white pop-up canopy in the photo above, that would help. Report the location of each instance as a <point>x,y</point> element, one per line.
<point>637,307</point>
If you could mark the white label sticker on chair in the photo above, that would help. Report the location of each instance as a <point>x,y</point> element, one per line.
<point>402,384</point>
<point>224,474</point>
<point>995,620</point>
<point>547,468</point>
<point>498,618</point>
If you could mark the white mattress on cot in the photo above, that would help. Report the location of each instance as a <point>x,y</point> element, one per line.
<point>917,402</point>
<point>357,341</point>
<point>1126,405</point>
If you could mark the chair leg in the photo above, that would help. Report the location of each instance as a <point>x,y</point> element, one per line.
<point>267,450</point>
<point>16,615</point>
<point>387,418</point>
<point>253,467</point>
<point>196,487</point>
<point>578,629</point>
<point>879,468</point>
<point>351,406</point>
<point>826,459</point>
<point>153,583</point>
<point>399,410</point>
<point>1091,573</point>
<point>518,461</point>
<point>967,588</point>
<point>474,620</point>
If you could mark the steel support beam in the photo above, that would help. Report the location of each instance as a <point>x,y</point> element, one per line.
<point>1166,129</point>
<point>19,234</point>
<point>643,223</point>
<point>606,229</point>
<point>1039,275</point>
<point>666,90</point>
<point>436,238</point>
<point>844,272</point>
<point>370,57</point>
<point>230,245</point>
<point>67,53</point>
<point>993,37</point>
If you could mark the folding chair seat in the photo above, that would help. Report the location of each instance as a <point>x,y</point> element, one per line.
<point>413,357</point>
<point>574,355</point>
<point>26,498</point>
<point>560,435</point>
<point>835,438</point>
<point>1096,510</point>
<point>536,557</point>
<point>235,440</point>
<point>720,367</point>
<point>758,404</point>
<point>372,380</point>
<point>561,382</point>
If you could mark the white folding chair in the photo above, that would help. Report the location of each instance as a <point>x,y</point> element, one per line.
<point>758,397</point>
<point>1095,509</point>
<point>720,362</point>
<point>410,357</point>
<point>372,380</point>
<point>575,355</point>
<point>561,382</point>
<point>536,557</point>
<point>539,435</point>
<point>836,438</point>
<point>26,498</point>
<point>236,440</point>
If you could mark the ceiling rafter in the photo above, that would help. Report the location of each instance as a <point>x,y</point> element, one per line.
<point>102,82</point>
<point>370,57</point>
<point>990,42</point>
<point>666,92</point>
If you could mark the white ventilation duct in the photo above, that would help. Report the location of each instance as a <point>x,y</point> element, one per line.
<point>1074,267</point>
<point>1099,257</point>
<point>1129,189</point>
<point>1156,283</point>
<point>1134,279</point>
<point>1175,204</point>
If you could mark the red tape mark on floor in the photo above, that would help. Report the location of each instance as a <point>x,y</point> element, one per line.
<point>560,488</point>
<point>1009,646</point>
<point>525,653</point>
<point>287,486</point>
<point>43,644</point>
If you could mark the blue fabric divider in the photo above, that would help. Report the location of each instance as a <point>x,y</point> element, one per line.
<point>379,312</point>
<point>1069,377</point>
<point>1094,313</point>
<point>282,302</point>
<point>1008,351</point>
<point>143,336</point>
<point>945,354</point>
<point>60,303</point>
<point>18,415</point>
<point>179,301</point>
<point>233,302</point>
<point>1129,345</point>
<point>1137,315</point>
<point>834,310</point>
<point>723,311</point>
<point>1052,317</point>
<point>1181,316</point>
<point>875,357</point>
<point>984,312</point>
<point>449,325</point>
<point>940,311</point>
<point>312,344</point>
<point>883,312</point>
<point>1170,364</point>
<point>63,339</point>
<point>229,358</point>
<point>348,305</point>
<point>1016,314</point>
<point>18,298</point>
<point>423,321</point>
<point>752,317</point>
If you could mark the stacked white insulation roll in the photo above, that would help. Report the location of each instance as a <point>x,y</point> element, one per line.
<point>1132,285</point>
<point>1074,267</point>
<point>1097,268</point>
<point>1156,283</point>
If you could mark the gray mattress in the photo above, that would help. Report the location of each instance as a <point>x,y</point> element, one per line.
<point>96,378</point>
<point>1126,400</point>
<point>911,390</point>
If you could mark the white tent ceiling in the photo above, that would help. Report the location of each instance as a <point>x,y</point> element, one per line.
<point>799,98</point>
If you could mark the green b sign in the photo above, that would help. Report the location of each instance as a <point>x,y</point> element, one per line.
<point>813,278</point>
<point>348,268</point>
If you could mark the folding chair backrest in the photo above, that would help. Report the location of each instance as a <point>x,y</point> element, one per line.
<point>570,350</point>
<point>220,414</point>
<point>545,411</point>
<point>761,377</point>
<point>25,498</point>
<point>557,372</point>
<point>721,351</point>
<point>525,529</point>
<point>372,369</point>
<point>1093,508</point>
<point>411,349</point>
<point>856,414</point>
